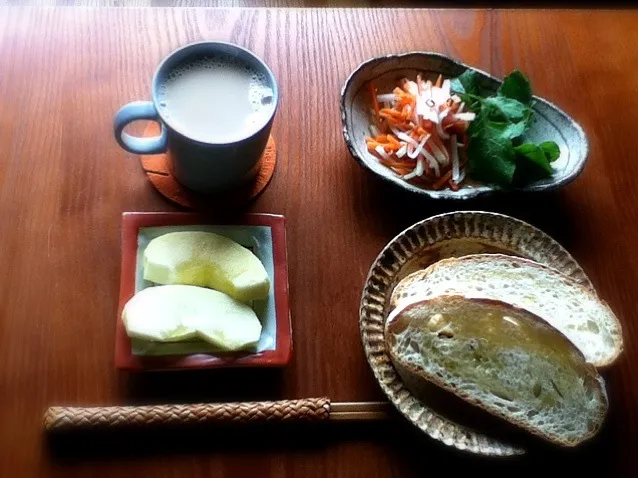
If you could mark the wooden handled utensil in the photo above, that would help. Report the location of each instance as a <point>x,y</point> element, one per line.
<point>307,409</point>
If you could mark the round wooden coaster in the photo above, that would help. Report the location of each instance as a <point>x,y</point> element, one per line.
<point>157,170</point>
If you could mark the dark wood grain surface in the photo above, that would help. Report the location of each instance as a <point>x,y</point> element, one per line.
<point>64,184</point>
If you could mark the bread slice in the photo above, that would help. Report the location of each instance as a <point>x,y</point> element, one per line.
<point>568,306</point>
<point>504,359</point>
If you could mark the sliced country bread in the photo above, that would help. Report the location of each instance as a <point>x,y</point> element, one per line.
<point>503,359</point>
<point>568,306</point>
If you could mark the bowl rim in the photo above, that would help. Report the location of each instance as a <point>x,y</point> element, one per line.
<point>468,194</point>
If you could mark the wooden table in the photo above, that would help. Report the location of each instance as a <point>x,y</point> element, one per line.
<point>64,184</point>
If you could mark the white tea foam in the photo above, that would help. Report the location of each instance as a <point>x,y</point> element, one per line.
<point>216,99</point>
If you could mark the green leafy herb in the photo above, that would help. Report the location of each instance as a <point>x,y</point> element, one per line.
<point>495,154</point>
<point>516,86</point>
<point>467,87</point>
<point>510,130</point>
<point>534,161</point>
<point>506,109</point>
<point>533,153</point>
<point>491,155</point>
<point>551,150</point>
<point>467,82</point>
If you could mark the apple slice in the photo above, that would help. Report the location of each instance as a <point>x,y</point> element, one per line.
<point>208,260</point>
<point>173,313</point>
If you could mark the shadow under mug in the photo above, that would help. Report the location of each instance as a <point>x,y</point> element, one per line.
<point>200,166</point>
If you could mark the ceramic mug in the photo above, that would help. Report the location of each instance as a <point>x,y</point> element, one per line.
<point>205,167</point>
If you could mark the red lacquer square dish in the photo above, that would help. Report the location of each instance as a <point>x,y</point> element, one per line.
<point>265,235</point>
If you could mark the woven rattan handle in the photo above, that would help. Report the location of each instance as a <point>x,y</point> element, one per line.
<point>68,418</point>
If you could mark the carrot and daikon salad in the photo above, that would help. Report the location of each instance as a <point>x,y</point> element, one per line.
<point>419,132</point>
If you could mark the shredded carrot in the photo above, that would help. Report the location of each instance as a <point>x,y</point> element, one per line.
<point>409,115</point>
<point>388,147</point>
<point>442,181</point>
<point>391,112</point>
<point>398,164</point>
<point>422,180</point>
<point>393,140</point>
<point>373,92</point>
<point>396,122</point>
<point>402,94</point>
<point>401,171</point>
<point>427,168</point>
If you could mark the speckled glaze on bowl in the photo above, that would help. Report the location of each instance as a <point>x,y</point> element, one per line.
<point>550,123</point>
<point>447,235</point>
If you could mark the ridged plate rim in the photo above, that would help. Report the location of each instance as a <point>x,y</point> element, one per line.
<point>494,228</point>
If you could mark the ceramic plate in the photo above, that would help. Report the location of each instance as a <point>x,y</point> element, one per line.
<point>447,235</point>
<point>264,235</point>
<point>550,122</point>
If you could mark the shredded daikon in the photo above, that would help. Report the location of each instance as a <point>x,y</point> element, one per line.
<point>404,137</point>
<point>439,125</point>
<point>438,154</point>
<point>387,98</point>
<point>381,152</point>
<point>442,134</point>
<point>418,148</point>
<point>455,160</point>
<point>410,87</point>
<point>432,162</point>
<point>427,112</point>
<point>465,116</point>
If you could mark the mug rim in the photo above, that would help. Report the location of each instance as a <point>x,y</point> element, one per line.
<point>165,60</point>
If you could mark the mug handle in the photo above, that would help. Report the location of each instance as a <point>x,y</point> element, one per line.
<point>139,110</point>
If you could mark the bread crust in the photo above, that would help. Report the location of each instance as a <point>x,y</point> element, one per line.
<point>409,373</point>
<point>413,281</point>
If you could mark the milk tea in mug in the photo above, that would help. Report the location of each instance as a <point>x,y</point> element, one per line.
<point>215,103</point>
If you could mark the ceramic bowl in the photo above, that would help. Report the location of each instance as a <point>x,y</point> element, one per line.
<point>426,242</point>
<point>550,123</point>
